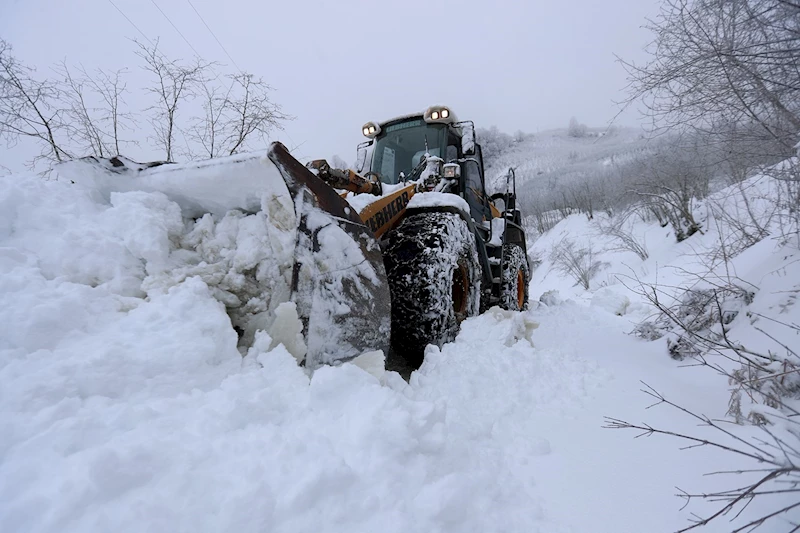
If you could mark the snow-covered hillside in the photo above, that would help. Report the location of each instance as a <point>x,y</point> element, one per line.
<point>553,156</point>
<point>126,405</point>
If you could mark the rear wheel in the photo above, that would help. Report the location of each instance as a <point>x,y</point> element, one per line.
<point>434,280</point>
<point>515,279</point>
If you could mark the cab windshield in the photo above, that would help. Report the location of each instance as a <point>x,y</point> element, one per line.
<point>400,147</point>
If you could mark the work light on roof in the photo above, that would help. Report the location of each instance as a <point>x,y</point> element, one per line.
<point>440,114</point>
<point>370,130</point>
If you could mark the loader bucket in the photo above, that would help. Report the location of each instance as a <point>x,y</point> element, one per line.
<point>339,282</point>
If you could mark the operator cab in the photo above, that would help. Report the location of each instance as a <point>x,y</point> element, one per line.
<point>400,144</point>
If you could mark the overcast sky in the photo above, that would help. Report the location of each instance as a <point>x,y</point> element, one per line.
<point>520,65</point>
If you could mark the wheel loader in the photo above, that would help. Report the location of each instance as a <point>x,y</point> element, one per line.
<point>392,255</point>
<point>418,207</point>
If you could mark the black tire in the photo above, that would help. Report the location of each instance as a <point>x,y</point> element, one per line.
<point>434,280</point>
<point>515,279</point>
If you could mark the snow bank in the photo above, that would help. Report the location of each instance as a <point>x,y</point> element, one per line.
<point>128,407</point>
<point>613,301</point>
<point>249,180</point>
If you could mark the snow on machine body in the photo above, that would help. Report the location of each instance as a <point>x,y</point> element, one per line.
<point>448,250</point>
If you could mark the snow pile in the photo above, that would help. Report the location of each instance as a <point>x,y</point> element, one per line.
<point>127,406</point>
<point>613,301</point>
<point>248,179</point>
<point>228,222</point>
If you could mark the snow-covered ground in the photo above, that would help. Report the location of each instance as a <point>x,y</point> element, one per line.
<point>126,405</point>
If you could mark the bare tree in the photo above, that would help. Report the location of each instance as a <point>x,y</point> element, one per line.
<point>724,62</point>
<point>174,83</point>
<point>252,112</point>
<point>234,115</point>
<point>29,108</point>
<point>110,87</point>
<point>92,110</point>
<point>208,130</point>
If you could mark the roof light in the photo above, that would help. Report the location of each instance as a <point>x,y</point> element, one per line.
<point>440,114</point>
<point>370,130</point>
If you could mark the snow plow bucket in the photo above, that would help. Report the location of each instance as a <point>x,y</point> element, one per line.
<point>339,282</point>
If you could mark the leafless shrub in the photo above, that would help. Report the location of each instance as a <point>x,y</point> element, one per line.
<point>740,223</point>
<point>674,178</point>
<point>697,324</point>
<point>578,263</point>
<point>93,110</point>
<point>616,228</point>
<point>776,469</point>
<point>788,200</point>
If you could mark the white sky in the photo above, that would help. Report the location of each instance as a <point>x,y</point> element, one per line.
<point>520,65</point>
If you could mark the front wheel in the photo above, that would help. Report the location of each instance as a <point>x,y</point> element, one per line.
<point>434,279</point>
<point>515,278</point>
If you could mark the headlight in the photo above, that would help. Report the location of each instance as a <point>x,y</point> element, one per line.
<point>435,115</point>
<point>370,130</point>
<point>445,113</point>
<point>452,171</point>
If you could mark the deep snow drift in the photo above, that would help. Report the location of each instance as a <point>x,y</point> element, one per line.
<point>126,405</point>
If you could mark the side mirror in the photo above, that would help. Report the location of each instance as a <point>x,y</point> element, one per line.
<point>361,156</point>
<point>467,137</point>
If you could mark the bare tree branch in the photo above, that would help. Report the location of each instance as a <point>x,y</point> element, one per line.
<point>30,108</point>
<point>174,83</point>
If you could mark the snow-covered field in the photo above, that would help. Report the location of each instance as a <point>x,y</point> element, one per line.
<point>126,405</point>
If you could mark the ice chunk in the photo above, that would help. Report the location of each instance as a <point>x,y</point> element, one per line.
<point>288,330</point>
<point>373,362</point>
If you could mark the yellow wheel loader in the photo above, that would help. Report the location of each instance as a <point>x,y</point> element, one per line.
<point>391,256</point>
<point>440,248</point>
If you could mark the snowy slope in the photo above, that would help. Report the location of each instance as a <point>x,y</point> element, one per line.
<point>553,156</point>
<point>126,405</point>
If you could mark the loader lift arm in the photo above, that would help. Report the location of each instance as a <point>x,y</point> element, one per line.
<point>344,179</point>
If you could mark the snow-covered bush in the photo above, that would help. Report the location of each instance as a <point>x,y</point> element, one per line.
<point>788,201</point>
<point>576,129</point>
<point>493,142</point>
<point>696,322</point>
<point>578,263</point>
<point>623,235</point>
